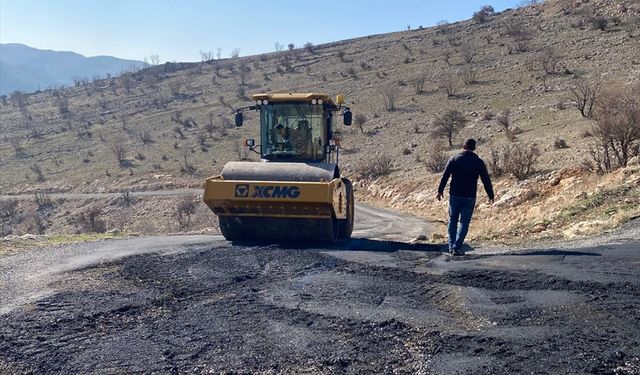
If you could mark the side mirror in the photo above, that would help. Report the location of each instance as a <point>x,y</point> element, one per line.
<point>239,119</point>
<point>346,117</point>
<point>249,143</point>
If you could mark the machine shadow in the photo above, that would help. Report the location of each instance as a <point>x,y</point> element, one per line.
<point>354,244</point>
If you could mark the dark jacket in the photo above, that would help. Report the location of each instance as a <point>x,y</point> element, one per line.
<point>465,168</point>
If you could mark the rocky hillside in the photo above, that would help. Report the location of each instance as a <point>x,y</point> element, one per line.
<point>511,79</point>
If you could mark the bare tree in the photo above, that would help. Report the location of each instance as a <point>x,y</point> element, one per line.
<point>449,124</point>
<point>186,167</point>
<point>549,59</point>
<point>483,14</point>
<point>390,96</point>
<point>235,53</point>
<point>19,100</point>
<point>126,83</point>
<point>218,53</point>
<point>617,128</point>
<point>585,95</point>
<point>120,150</point>
<point>206,55</point>
<point>154,59</point>
<point>244,72</point>
<point>279,47</point>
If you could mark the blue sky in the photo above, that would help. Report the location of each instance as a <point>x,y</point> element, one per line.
<point>179,30</point>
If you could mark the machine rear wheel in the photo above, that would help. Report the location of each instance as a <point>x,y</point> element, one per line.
<point>346,225</point>
<point>236,228</point>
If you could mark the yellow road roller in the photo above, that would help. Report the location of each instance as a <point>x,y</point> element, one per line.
<point>295,192</point>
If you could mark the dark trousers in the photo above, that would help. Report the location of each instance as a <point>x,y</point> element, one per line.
<point>460,210</point>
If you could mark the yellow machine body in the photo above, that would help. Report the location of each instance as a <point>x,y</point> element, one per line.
<point>310,200</point>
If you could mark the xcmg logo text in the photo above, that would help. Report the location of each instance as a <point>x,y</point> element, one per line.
<point>276,192</point>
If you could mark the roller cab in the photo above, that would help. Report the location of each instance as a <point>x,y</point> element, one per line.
<point>295,192</point>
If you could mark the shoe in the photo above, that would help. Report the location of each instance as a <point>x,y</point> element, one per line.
<point>457,252</point>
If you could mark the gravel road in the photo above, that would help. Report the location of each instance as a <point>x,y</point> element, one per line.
<point>375,304</point>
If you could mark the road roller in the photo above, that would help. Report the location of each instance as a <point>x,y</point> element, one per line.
<point>295,192</point>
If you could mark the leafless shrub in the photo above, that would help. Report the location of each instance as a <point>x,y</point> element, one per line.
<point>599,23</point>
<point>379,165</point>
<point>419,83</point>
<point>585,95</point>
<point>560,143</point>
<point>469,76</point>
<point>42,200</point>
<point>487,116</point>
<point>89,220</point>
<point>469,52</point>
<point>504,119</point>
<point>145,137</point>
<point>35,168</point>
<point>448,125</point>
<point>436,158</point>
<point>174,87</point>
<point>351,71</point>
<point>184,209</point>
<point>343,56</point>
<point>359,120</point>
<point>126,199</point>
<point>8,207</point>
<point>62,103</point>
<point>202,139</point>
<point>16,144</point>
<point>514,159</point>
<point>390,96</point>
<point>244,73</point>
<point>235,53</point>
<point>449,83</point>
<point>241,93</point>
<point>32,223</point>
<point>179,132</point>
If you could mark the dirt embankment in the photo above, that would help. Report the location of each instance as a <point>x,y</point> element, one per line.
<point>568,203</point>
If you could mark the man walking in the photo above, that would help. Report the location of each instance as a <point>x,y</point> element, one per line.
<point>464,170</point>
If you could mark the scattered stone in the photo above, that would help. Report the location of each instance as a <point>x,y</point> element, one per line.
<point>437,237</point>
<point>554,181</point>
<point>113,231</point>
<point>419,238</point>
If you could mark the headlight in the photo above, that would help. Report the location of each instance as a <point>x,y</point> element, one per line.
<point>313,101</point>
<point>319,101</point>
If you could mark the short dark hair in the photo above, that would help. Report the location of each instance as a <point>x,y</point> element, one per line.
<point>469,144</point>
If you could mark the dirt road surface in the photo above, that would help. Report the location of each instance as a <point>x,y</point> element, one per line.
<point>375,304</point>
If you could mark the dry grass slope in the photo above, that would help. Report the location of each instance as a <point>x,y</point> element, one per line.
<point>169,126</point>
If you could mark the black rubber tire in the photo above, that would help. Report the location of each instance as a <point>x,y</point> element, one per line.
<point>346,225</point>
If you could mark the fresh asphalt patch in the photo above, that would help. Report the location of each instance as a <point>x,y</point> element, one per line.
<point>199,304</point>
